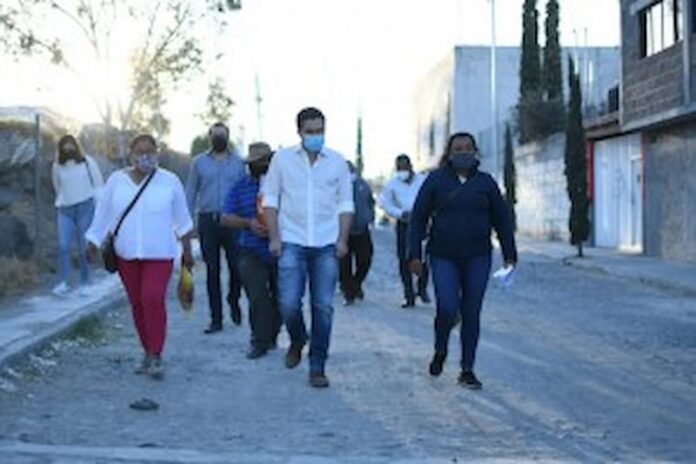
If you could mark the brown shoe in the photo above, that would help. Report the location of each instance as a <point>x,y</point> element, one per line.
<point>318,380</point>
<point>294,355</point>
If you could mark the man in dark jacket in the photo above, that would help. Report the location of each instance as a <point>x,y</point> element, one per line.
<point>360,241</point>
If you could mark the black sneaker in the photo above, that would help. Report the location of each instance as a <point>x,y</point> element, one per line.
<point>425,298</point>
<point>294,355</point>
<point>236,314</point>
<point>467,379</point>
<point>213,328</point>
<point>360,295</point>
<point>348,302</point>
<point>256,352</point>
<point>408,303</point>
<point>437,363</point>
<point>318,380</point>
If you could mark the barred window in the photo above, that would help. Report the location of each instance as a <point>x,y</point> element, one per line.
<point>661,26</point>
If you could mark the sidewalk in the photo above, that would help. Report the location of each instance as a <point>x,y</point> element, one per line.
<point>671,275</point>
<point>29,322</point>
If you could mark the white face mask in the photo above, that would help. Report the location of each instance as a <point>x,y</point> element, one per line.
<point>403,175</point>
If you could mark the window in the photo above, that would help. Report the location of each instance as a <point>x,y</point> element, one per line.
<point>661,26</point>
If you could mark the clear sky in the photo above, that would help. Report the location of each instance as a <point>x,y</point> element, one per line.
<point>344,56</point>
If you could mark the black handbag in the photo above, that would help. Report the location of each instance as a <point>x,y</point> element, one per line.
<point>109,250</point>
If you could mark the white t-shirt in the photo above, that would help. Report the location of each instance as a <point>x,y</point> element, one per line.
<point>151,228</point>
<point>75,183</point>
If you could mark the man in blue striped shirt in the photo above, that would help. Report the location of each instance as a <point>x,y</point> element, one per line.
<point>257,268</point>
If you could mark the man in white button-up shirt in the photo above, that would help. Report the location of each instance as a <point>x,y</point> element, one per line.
<point>397,199</point>
<point>308,203</point>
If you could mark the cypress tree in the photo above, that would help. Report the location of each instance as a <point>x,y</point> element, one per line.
<point>576,165</point>
<point>552,76</point>
<point>553,115</point>
<point>359,161</point>
<point>530,73</point>
<point>510,176</point>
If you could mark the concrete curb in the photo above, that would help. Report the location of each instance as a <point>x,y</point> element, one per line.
<point>18,349</point>
<point>661,284</point>
<point>597,264</point>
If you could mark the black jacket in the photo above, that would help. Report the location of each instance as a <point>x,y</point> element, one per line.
<point>457,219</point>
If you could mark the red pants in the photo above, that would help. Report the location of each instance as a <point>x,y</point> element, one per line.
<point>146,284</point>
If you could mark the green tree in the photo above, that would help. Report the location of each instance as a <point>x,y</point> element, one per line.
<point>359,161</point>
<point>531,94</point>
<point>553,74</point>
<point>576,165</point>
<point>218,104</point>
<point>154,44</point>
<point>510,176</point>
<point>200,144</point>
<point>554,113</point>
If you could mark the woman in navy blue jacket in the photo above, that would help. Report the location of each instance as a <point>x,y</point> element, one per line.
<point>457,208</point>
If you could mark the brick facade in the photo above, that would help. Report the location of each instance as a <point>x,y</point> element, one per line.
<point>653,84</point>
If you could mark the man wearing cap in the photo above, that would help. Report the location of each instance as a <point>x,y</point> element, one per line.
<point>257,268</point>
<point>211,176</point>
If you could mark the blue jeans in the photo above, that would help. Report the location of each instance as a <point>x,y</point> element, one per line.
<point>297,265</point>
<point>73,222</point>
<point>460,286</point>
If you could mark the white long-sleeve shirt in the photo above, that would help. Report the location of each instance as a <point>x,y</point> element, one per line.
<point>398,197</point>
<point>75,183</point>
<point>309,198</point>
<point>151,228</point>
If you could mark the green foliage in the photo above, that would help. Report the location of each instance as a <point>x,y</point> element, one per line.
<point>576,165</point>
<point>85,37</point>
<point>510,176</point>
<point>553,73</point>
<point>530,72</point>
<point>200,144</point>
<point>359,161</point>
<point>540,110</point>
<point>218,104</point>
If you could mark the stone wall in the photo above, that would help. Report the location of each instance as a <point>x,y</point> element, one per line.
<point>542,202</point>
<point>670,192</point>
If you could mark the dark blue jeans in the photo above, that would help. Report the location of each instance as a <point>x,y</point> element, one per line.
<point>460,286</point>
<point>213,237</point>
<point>319,266</point>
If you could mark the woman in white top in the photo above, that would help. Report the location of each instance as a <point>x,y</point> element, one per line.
<point>146,243</point>
<point>76,179</point>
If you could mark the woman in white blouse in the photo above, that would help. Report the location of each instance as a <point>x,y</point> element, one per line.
<point>76,180</point>
<point>146,243</point>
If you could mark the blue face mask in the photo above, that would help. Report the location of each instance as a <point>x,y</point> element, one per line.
<point>145,163</point>
<point>313,143</point>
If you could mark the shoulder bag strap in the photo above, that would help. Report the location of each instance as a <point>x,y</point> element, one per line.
<point>132,203</point>
<point>89,172</point>
<point>449,198</point>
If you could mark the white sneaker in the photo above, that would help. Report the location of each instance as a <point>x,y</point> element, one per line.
<point>61,289</point>
<point>83,290</point>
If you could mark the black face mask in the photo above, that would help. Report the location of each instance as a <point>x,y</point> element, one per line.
<point>219,143</point>
<point>464,163</point>
<point>258,170</point>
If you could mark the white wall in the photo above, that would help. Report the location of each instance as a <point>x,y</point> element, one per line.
<point>542,200</point>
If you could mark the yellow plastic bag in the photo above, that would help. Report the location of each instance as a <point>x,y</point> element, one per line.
<point>185,288</point>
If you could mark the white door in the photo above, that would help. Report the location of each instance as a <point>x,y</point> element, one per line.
<point>606,221</point>
<point>618,198</point>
